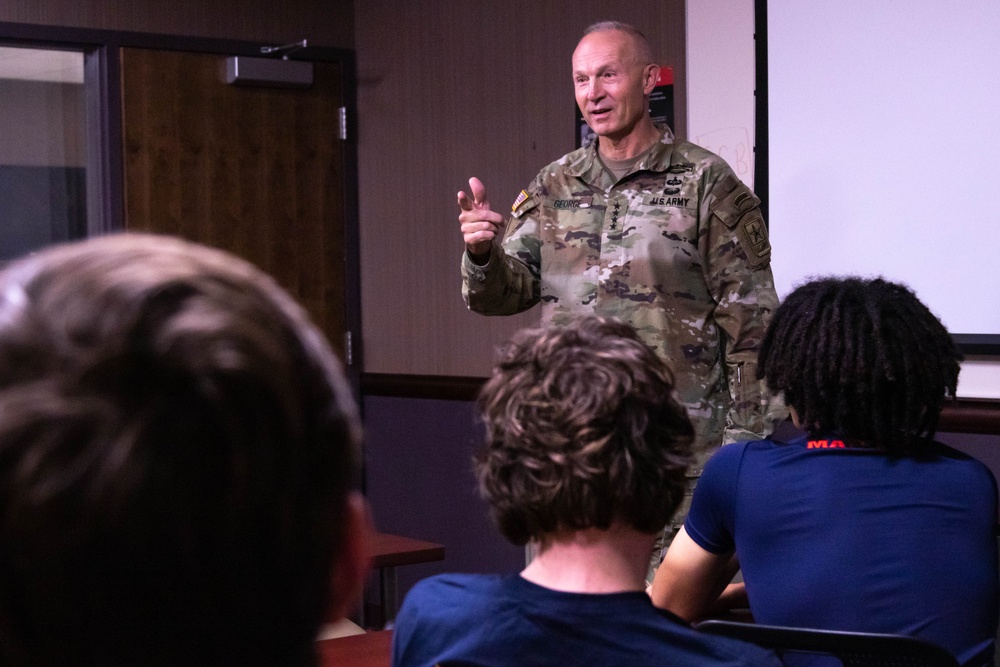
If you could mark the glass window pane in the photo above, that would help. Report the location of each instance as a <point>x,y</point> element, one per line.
<point>43,146</point>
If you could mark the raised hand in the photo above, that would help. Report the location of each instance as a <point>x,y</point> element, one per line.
<point>480,224</point>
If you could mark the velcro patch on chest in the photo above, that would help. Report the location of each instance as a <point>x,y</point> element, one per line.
<point>668,200</point>
<point>570,204</point>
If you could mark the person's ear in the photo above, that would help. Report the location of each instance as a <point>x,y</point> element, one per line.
<point>354,559</point>
<point>650,74</point>
<point>794,414</point>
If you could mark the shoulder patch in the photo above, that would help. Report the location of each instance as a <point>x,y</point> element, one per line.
<point>739,210</point>
<point>753,237</point>
<point>524,202</point>
<point>521,198</point>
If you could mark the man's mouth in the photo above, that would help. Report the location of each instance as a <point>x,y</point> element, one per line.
<point>599,113</point>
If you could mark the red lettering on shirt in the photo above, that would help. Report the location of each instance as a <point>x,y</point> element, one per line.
<point>825,444</point>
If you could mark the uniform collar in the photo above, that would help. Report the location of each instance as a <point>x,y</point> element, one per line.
<point>587,166</point>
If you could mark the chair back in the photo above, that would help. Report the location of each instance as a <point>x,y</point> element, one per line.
<point>853,649</point>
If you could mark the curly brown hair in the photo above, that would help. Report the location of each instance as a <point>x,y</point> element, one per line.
<point>582,430</point>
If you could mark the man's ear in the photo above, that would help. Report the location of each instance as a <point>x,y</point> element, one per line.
<point>650,75</point>
<point>354,559</point>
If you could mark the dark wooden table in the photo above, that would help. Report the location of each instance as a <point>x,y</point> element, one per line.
<point>391,551</point>
<point>372,649</point>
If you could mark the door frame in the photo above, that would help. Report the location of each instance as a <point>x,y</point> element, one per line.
<point>105,156</point>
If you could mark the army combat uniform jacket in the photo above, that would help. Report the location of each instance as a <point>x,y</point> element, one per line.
<point>677,248</point>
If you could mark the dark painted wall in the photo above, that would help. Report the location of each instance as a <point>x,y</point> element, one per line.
<point>418,469</point>
<point>985,447</point>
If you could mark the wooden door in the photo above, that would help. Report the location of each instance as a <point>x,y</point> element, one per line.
<point>252,170</point>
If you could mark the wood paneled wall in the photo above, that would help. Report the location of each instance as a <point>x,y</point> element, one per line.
<point>447,89</point>
<point>450,89</point>
<point>253,170</point>
<point>322,22</point>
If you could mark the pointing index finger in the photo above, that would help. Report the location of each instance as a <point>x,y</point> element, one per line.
<point>478,192</point>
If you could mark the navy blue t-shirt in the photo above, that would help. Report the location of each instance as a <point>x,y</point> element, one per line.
<point>494,621</point>
<point>843,538</point>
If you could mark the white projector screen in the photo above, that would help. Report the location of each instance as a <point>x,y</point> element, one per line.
<point>883,122</point>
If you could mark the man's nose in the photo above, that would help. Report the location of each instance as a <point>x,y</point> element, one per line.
<point>595,90</point>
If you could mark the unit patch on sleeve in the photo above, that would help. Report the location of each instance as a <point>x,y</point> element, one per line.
<point>753,233</point>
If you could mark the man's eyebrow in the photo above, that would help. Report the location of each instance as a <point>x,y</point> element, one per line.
<point>606,66</point>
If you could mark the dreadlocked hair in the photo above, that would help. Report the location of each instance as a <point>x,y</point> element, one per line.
<point>861,358</point>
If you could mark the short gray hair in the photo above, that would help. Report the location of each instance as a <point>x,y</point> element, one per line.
<point>640,44</point>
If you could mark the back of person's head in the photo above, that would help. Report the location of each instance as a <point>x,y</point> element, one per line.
<point>177,447</point>
<point>863,359</point>
<point>583,430</point>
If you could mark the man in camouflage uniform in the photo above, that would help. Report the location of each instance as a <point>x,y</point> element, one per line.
<point>659,234</point>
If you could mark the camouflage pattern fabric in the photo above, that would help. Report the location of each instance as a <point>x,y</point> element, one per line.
<point>677,248</point>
